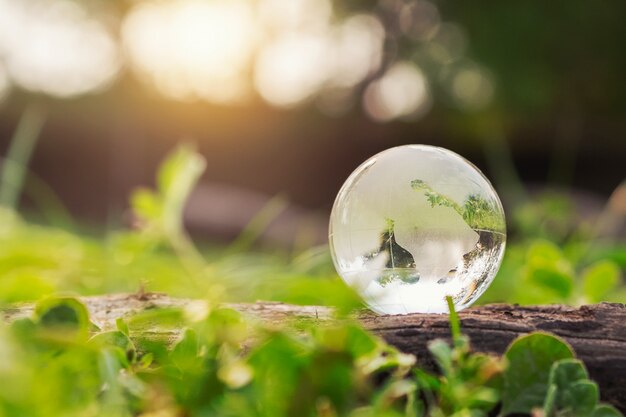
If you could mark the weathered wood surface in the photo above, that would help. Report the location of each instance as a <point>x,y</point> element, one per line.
<point>596,332</point>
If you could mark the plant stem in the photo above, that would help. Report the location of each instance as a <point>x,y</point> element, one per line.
<point>18,156</point>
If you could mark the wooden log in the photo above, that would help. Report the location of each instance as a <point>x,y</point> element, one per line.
<point>596,332</point>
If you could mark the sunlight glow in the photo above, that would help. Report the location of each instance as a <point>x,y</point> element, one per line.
<point>298,65</point>
<point>55,47</point>
<point>193,49</point>
<point>401,92</point>
<point>206,49</point>
<point>358,48</point>
<point>226,52</point>
<point>291,69</point>
<point>279,16</point>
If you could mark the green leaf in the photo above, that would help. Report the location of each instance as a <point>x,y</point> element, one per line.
<point>575,398</point>
<point>156,318</point>
<point>65,313</point>
<point>306,290</point>
<point>581,397</point>
<point>123,347</point>
<point>394,391</point>
<point>599,280</point>
<point>526,379</point>
<point>442,353</point>
<point>146,360</point>
<point>112,395</point>
<point>566,372</point>
<point>176,179</point>
<point>606,411</point>
<point>146,205</point>
<point>122,326</point>
<point>549,269</point>
<point>185,353</point>
<point>455,322</point>
<point>351,338</point>
<point>554,280</point>
<point>113,338</point>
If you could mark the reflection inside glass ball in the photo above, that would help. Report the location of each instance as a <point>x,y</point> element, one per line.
<point>413,225</point>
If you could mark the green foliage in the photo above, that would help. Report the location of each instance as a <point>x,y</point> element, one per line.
<point>542,272</point>
<point>604,410</point>
<point>571,391</point>
<point>63,314</point>
<point>222,364</point>
<point>477,212</point>
<point>545,267</point>
<point>37,261</point>
<point>599,280</point>
<point>557,257</point>
<point>469,384</point>
<point>225,364</point>
<point>162,209</point>
<point>543,374</point>
<point>526,378</point>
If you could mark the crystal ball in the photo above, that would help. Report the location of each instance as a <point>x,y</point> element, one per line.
<point>414,224</point>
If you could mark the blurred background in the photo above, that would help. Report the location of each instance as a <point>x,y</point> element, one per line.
<point>278,102</point>
<point>288,96</point>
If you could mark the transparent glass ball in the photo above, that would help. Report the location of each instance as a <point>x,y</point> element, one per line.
<point>414,224</point>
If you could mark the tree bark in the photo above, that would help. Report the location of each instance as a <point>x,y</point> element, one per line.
<point>597,333</point>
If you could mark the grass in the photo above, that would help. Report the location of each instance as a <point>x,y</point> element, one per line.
<point>225,364</point>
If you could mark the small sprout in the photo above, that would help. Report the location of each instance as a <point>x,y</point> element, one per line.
<point>455,322</point>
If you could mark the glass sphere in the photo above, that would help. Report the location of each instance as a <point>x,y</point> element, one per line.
<point>414,224</point>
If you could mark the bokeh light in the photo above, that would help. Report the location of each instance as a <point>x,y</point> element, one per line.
<point>358,48</point>
<point>227,52</point>
<point>472,87</point>
<point>401,92</point>
<point>291,69</point>
<point>298,64</point>
<point>192,48</point>
<point>279,16</point>
<point>55,47</point>
<point>419,20</point>
<point>448,45</point>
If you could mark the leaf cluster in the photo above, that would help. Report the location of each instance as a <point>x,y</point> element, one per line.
<point>59,363</point>
<point>478,212</point>
<point>226,364</point>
